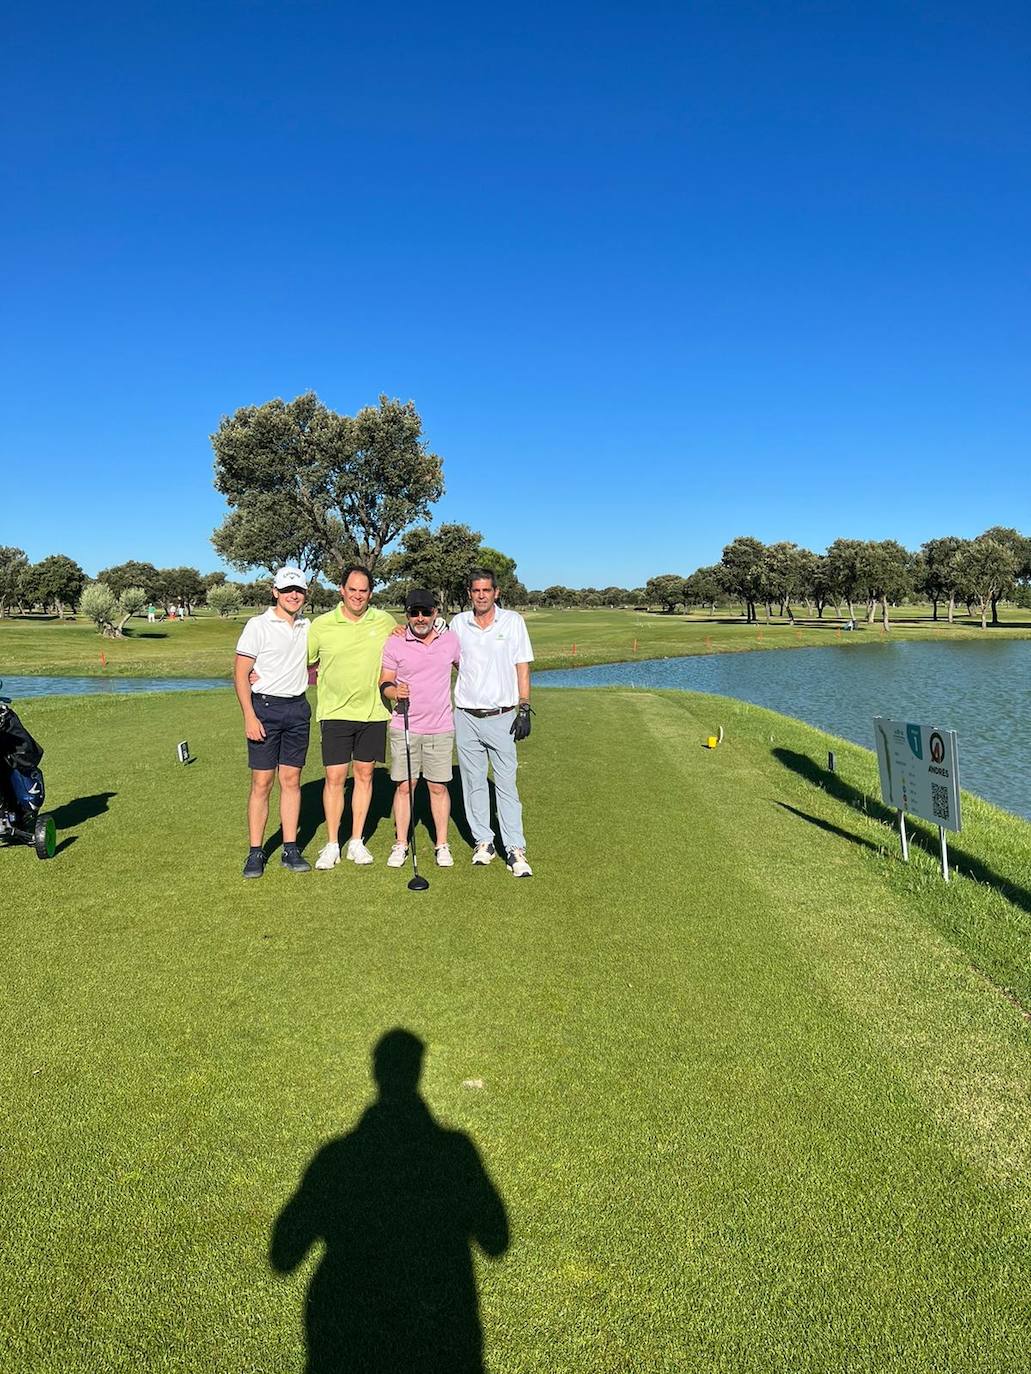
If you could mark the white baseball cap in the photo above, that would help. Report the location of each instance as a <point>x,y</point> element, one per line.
<point>289,577</point>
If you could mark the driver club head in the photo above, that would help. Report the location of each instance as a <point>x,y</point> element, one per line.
<point>418,884</point>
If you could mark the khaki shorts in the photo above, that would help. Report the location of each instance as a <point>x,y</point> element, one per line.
<point>431,756</point>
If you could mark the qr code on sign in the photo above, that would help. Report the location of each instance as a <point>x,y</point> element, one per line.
<point>940,801</point>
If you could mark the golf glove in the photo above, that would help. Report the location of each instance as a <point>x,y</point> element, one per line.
<point>520,727</point>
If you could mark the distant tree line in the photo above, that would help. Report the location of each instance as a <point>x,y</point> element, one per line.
<point>872,574</point>
<point>57,585</point>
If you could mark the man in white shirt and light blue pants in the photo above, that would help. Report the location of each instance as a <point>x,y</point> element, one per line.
<point>492,712</point>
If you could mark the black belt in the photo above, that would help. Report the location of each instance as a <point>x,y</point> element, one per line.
<point>481,715</point>
<point>266,696</point>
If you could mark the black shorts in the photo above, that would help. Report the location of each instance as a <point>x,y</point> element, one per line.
<point>286,721</point>
<point>363,741</point>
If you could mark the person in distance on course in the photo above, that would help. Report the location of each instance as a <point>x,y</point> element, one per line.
<point>417,669</point>
<point>492,712</point>
<point>271,681</point>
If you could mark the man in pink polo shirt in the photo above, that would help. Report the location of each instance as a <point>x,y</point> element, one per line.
<point>417,669</point>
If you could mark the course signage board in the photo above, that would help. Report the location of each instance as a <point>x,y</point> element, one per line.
<point>919,767</point>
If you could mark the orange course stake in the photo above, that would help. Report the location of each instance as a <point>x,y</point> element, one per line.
<point>574,649</point>
<point>635,646</point>
<point>103,660</point>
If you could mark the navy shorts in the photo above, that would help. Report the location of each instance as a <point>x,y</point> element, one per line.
<point>360,741</point>
<point>287,723</point>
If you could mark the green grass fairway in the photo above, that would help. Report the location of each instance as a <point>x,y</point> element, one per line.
<point>755,1095</point>
<point>203,646</point>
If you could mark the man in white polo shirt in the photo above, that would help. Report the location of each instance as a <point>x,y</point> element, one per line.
<point>271,681</point>
<point>492,712</point>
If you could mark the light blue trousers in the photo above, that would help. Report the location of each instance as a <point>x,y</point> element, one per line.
<point>481,743</point>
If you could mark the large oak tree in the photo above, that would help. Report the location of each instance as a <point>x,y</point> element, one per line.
<point>311,487</point>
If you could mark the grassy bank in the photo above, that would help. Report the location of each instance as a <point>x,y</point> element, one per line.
<point>203,646</point>
<point>755,1094</point>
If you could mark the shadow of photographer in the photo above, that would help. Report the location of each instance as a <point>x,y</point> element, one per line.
<point>397,1203</point>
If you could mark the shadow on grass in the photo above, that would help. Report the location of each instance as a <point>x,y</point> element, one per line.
<point>830,829</point>
<point>398,1203</point>
<point>962,862</point>
<point>312,815</point>
<point>381,812</point>
<point>81,810</point>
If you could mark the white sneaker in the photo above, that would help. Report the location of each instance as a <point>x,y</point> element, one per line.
<point>397,856</point>
<point>329,857</point>
<point>483,853</point>
<point>357,853</point>
<point>444,859</point>
<point>517,865</point>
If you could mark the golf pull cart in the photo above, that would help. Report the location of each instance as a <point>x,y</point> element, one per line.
<point>22,820</point>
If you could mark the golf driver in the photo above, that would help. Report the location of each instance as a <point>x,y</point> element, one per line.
<point>417,884</point>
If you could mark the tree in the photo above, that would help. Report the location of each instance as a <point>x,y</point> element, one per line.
<point>225,599</point>
<point>99,604</point>
<point>843,572</point>
<point>743,571</point>
<point>318,489</point>
<point>181,586</point>
<point>214,579</point>
<point>109,612</point>
<point>703,588</point>
<point>13,567</point>
<point>985,567</point>
<point>559,596</point>
<point>821,583</point>
<point>56,581</point>
<point>131,574</point>
<point>440,560</point>
<point>667,589</point>
<point>614,596</point>
<point>787,574</point>
<point>936,575</point>
<point>130,603</point>
<point>884,569</point>
<point>1020,547</point>
<point>320,597</point>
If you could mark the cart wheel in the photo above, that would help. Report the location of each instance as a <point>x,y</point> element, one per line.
<point>44,837</point>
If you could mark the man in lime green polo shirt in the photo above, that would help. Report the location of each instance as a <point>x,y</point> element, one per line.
<point>347,643</point>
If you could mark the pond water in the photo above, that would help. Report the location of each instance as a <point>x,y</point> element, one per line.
<point>18,688</point>
<point>983,691</point>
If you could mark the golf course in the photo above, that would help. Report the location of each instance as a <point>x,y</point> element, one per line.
<point>752,1093</point>
<point>203,645</point>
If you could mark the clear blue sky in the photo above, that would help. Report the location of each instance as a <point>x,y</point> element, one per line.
<point>655,276</point>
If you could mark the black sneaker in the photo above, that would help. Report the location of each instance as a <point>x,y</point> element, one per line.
<point>255,865</point>
<point>294,860</point>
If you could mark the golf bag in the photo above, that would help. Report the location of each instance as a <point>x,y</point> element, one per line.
<point>22,790</point>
